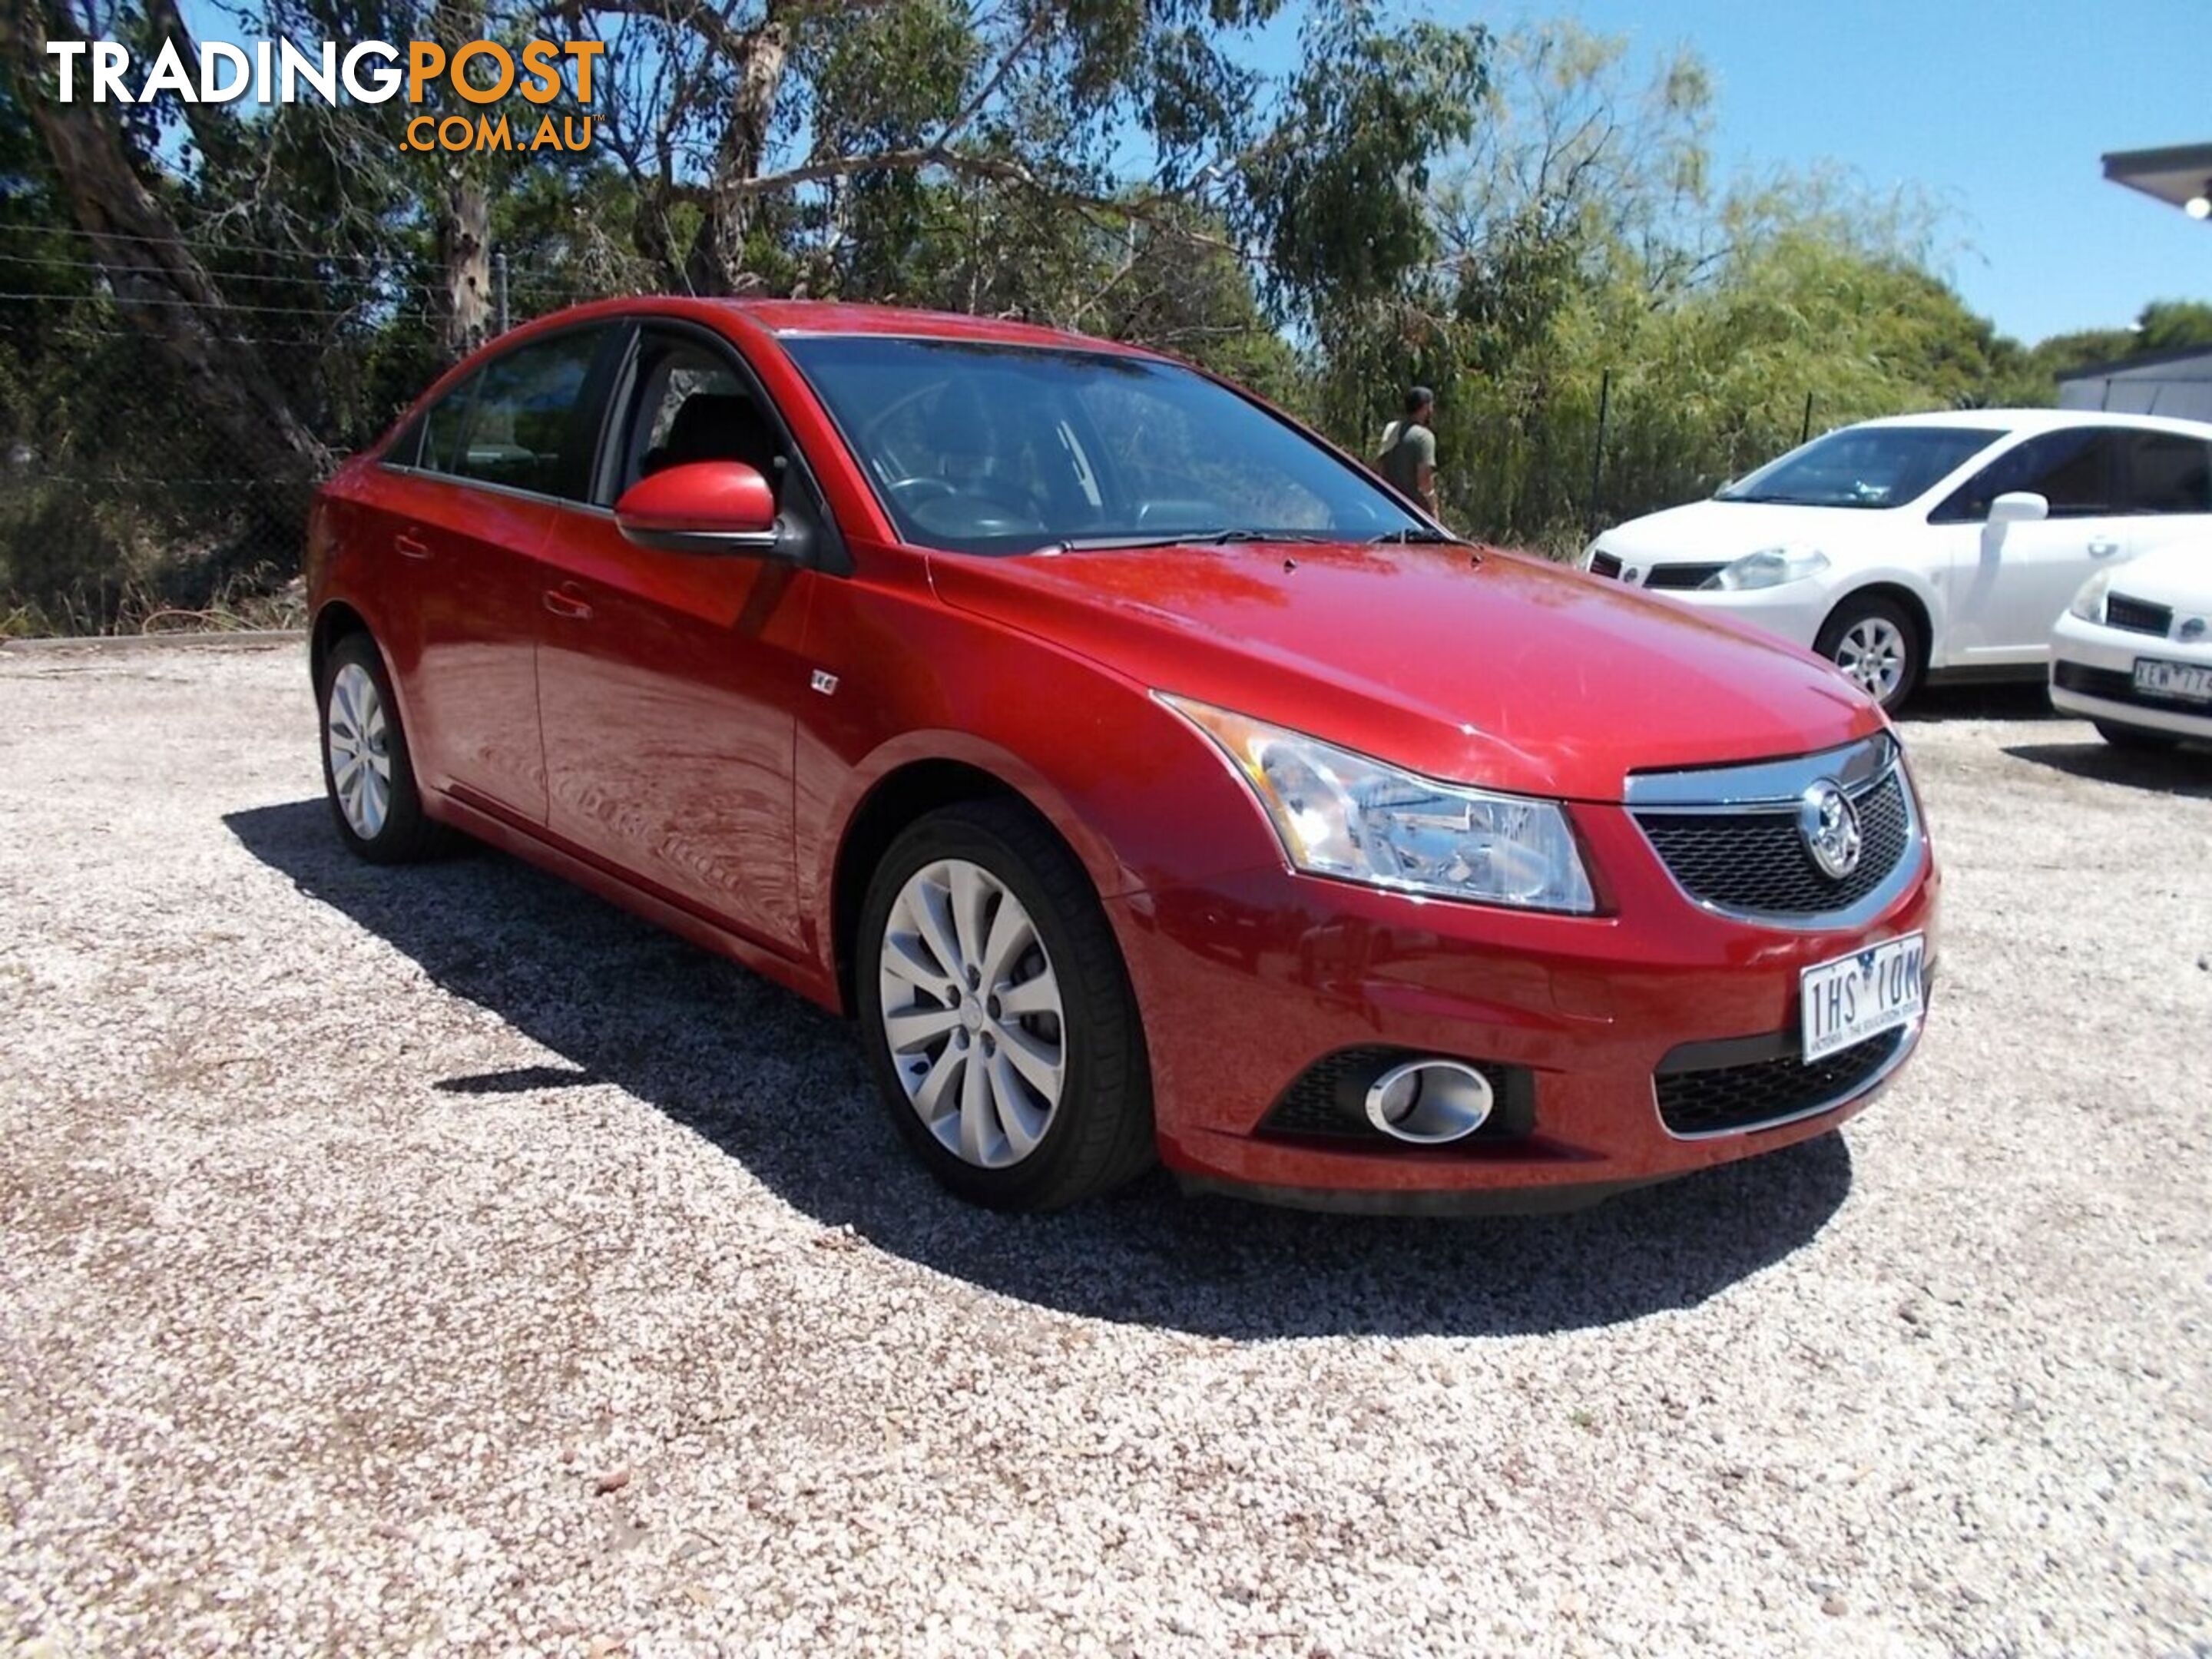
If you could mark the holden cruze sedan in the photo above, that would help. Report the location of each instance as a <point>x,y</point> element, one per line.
<point>1145,777</point>
<point>1929,546</point>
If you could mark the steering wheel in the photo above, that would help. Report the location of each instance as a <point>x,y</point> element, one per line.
<point>939,488</point>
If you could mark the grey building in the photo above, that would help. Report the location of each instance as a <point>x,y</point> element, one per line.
<point>2160,383</point>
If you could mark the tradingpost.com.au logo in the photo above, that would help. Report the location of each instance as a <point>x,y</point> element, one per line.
<point>479,72</point>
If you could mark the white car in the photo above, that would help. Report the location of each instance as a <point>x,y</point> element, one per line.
<point>2134,652</point>
<point>1929,546</point>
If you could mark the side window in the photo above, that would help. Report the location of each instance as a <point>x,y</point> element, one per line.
<point>690,405</point>
<point>2168,473</point>
<point>442,426</point>
<point>2073,469</point>
<point>520,426</point>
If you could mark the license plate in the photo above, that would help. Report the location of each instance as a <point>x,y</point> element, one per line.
<point>2173,679</point>
<point>1861,996</point>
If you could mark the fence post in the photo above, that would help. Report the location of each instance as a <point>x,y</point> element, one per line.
<point>498,271</point>
<point>1598,449</point>
<point>1804,431</point>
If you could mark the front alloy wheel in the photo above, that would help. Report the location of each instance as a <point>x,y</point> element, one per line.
<point>1876,647</point>
<point>997,1013</point>
<point>971,1012</point>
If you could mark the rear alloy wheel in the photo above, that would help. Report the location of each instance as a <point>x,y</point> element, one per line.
<point>997,1014</point>
<point>366,765</point>
<point>1876,646</point>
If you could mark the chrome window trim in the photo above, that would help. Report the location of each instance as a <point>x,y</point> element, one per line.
<point>514,490</point>
<point>1762,783</point>
<point>1775,788</point>
<point>1857,1092</point>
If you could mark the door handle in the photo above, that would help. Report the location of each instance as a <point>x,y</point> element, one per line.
<point>566,601</point>
<point>409,546</point>
<point>2103,548</point>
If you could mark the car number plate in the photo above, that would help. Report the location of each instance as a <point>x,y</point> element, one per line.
<point>2173,679</point>
<point>1862,995</point>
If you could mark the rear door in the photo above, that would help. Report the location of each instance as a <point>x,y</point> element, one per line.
<point>2167,489</point>
<point>465,500</point>
<point>2011,582</point>
<point>669,683</point>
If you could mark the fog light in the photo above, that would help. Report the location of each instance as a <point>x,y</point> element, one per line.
<point>1429,1102</point>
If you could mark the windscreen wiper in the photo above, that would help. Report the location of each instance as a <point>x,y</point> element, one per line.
<point>1420,534</point>
<point>1186,538</point>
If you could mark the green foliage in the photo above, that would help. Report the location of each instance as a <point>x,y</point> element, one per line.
<point>1523,222</point>
<point>1589,263</point>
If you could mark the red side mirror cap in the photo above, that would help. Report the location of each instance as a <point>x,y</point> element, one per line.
<point>701,507</point>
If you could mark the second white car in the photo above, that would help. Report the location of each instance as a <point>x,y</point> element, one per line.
<point>2134,651</point>
<point>1927,546</point>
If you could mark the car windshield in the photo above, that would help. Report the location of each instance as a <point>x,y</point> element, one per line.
<point>1870,466</point>
<point>984,448</point>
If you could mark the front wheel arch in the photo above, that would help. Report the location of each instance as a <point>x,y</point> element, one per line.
<point>1912,610</point>
<point>894,800</point>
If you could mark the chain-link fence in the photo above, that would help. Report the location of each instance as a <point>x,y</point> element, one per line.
<point>125,508</point>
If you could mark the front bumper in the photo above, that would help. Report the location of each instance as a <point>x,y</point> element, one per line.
<point>1247,981</point>
<point>2107,692</point>
<point>1793,611</point>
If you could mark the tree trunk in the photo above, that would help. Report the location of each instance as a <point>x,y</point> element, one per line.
<point>463,210</point>
<point>717,265</point>
<point>465,260</point>
<point>159,287</point>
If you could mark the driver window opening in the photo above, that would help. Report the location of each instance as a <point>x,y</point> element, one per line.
<point>692,407</point>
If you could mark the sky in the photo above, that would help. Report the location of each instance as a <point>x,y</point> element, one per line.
<point>2001,111</point>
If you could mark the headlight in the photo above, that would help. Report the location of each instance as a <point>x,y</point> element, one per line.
<point>1770,566</point>
<point>2090,604</point>
<point>1341,814</point>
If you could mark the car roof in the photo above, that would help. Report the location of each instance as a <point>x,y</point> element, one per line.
<point>798,319</point>
<point>2041,420</point>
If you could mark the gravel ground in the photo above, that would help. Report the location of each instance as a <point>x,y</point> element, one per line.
<point>437,1260</point>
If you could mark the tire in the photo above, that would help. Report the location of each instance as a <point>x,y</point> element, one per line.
<point>978,1127</point>
<point>1877,645</point>
<point>2140,739</point>
<point>359,716</point>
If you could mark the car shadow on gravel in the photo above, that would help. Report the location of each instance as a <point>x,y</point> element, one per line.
<point>778,1084</point>
<point>2160,772</point>
<point>1989,700</point>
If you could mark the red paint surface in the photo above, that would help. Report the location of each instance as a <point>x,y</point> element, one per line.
<point>646,723</point>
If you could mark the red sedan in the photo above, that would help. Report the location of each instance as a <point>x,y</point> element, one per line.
<point>1147,778</point>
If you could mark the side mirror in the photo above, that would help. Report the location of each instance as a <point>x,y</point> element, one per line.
<point>702,507</point>
<point>2018,507</point>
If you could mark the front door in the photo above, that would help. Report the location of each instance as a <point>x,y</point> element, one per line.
<point>668,682</point>
<point>2011,582</point>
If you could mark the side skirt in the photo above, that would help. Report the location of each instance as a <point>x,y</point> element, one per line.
<point>809,979</point>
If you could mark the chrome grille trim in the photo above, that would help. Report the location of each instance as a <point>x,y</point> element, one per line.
<point>1763,783</point>
<point>1773,788</point>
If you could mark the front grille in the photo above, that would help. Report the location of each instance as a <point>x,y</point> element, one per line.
<point>1757,862</point>
<point>2138,615</point>
<point>1327,1100</point>
<point>2117,686</point>
<point>1679,576</point>
<point>1719,1100</point>
<point>1604,564</point>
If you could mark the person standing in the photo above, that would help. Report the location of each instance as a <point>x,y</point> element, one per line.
<point>1409,457</point>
